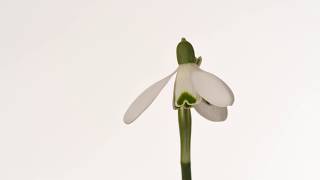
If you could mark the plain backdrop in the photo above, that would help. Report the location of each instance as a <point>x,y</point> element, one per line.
<point>69,69</point>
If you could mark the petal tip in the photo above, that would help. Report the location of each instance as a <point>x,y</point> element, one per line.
<point>126,120</point>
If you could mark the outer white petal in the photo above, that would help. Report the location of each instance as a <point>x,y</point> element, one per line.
<point>144,100</point>
<point>184,85</point>
<point>211,112</point>
<point>211,88</point>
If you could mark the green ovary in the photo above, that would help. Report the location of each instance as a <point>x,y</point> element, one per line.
<point>186,100</point>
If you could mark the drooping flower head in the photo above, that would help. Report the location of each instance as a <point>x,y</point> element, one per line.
<point>193,87</point>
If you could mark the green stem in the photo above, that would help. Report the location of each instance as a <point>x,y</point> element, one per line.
<point>184,115</point>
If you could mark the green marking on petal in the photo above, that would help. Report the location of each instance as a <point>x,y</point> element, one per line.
<point>186,100</point>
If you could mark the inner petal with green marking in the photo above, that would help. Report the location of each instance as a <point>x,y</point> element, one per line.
<point>184,93</point>
<point>186,100</point>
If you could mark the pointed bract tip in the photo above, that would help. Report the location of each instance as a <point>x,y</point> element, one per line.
<point>185,52</point>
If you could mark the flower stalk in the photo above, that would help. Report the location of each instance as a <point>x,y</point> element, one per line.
<point>184,116</point>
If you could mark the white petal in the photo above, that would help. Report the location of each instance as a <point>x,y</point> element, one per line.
<point>211,112</point>
<point>144,100</point>
<point>183,85</point>
<point>211,88</point>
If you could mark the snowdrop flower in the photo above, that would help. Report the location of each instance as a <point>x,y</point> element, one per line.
<point>193,88</point>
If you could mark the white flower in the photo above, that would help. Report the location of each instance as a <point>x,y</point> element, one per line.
<point>193,87</point>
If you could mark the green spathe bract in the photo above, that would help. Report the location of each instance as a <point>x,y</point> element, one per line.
<point>185,52</point>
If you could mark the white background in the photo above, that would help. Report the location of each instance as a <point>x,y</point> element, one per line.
<point>70,68</point>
